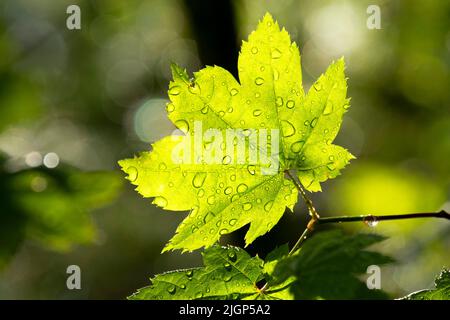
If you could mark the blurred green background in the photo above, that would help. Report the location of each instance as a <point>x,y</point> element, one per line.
<point>73,102</point>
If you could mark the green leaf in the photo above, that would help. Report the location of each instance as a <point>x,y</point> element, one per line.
<point>440,292</point>
<point>229,273</point>
<point>51,207</point>
<point>327,266</point>
<point>234,190</point>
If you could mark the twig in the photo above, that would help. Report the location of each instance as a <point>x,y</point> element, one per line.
<point>375,218</point>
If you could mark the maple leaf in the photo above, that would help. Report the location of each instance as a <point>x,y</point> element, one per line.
<point>229,273</point>
<point>206,171</point>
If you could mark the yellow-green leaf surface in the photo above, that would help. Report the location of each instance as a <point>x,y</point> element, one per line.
<point>440,292</point>
<point>229,273</point>
<point>234,190</point>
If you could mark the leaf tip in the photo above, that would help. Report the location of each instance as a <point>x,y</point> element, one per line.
<point>178,72</point>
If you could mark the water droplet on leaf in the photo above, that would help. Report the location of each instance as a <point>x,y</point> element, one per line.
<point>276,54</point>
<point>160,202</point>
<point>268,206</point>
<point>259,81</point>
<point>257,112</point>
<point>182,125</point>
<point>174,91</point>
<point>290,104</point>
<point>296,147</point>
<point>242,188</point>
<point>287,128</point>
<point>199,179</point>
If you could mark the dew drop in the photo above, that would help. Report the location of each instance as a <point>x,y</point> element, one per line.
<point>313,122</point>
<point>228,190</point>
<point>183,286</point>
<point>317,86</point>
<point>371,221</point>
<point>226,160</point>
<point>276,54</point>
<point>296,147</point>
<point>200,193</point>
<point>199,179</point>
<point>254,50</point>
<point>259,81</point>
<point>174,91</point>
<point>251,169</point>
<point>232,256</point>
<point>205,110</point>
<point>247,206</point>
<point>290,104</point>
<point>276,74</point>
<point>331,166</point>
<point>232,222</point>
<point>287,128</point>
<point>189,273</point>
<point>268,206</point>
<point>279,102</point>
<point>227,266</point>
<point>223,231</point>
<point>170,107</point>
<point>211,200</point>
<point>182,125</point>
<point>209,216</point>
<point>234,91</point>
<point>242,188</point>
<point>171,289</point>
<point>160,202</point>
<point>328,108</point>
<point>257,112</point>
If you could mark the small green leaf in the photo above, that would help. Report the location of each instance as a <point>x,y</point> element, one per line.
<point>229,273</point>
<point>51,207</point>
<point>327,265</point>
<point>440,292</point>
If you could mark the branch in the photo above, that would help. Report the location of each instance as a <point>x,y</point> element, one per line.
<point>375,218</point>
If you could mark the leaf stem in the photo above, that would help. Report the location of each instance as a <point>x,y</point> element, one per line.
<point>309,204</point>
